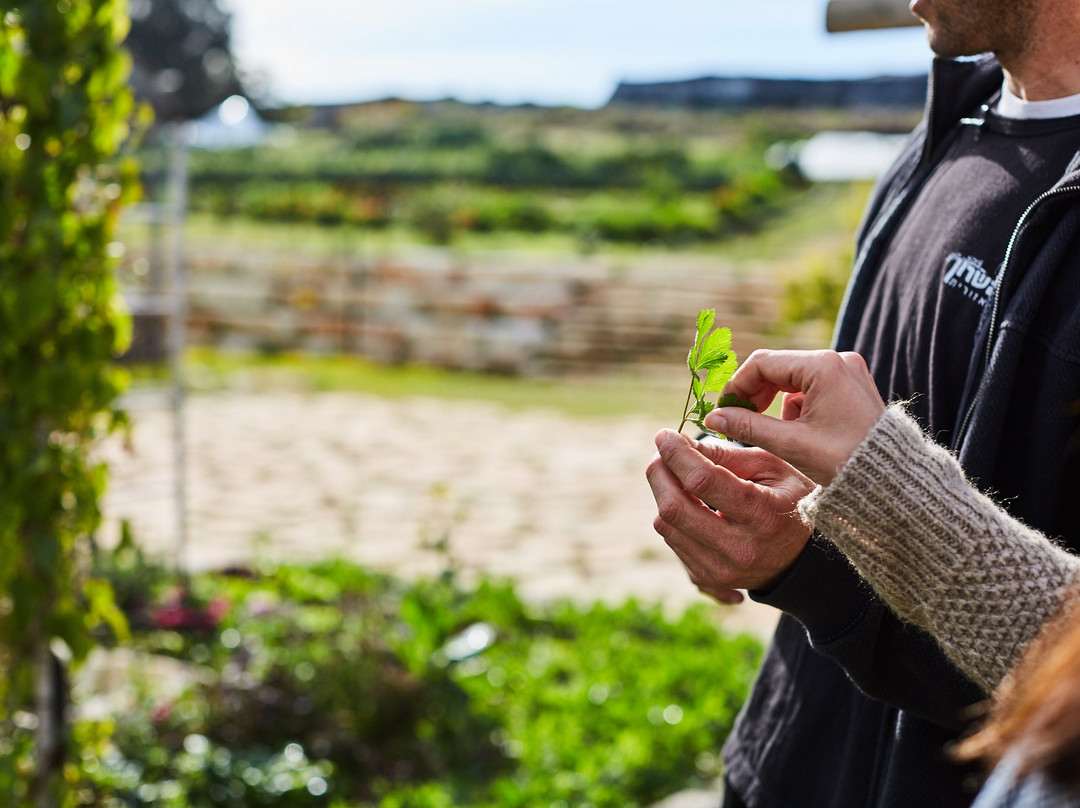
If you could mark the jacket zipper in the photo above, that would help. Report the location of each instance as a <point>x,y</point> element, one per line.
<point>995,309</point>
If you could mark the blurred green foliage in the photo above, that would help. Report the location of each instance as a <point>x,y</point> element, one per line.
<point>446,169</point>
<point>817,293</point>
<point>329,684</point>
<point>812,297</point>
<point>65,110</point>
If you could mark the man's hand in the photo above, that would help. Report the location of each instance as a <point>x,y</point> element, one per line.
<point>830,403</point>
<point>728,512</point>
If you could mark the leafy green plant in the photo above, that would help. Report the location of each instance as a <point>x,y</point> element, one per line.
<point>65,110</point>
<point>333,685</point>
<point>816,293</point>
<point>607,177</point>
<point>712,363</point>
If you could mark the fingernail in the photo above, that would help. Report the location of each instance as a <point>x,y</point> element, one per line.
<point>716,421</point>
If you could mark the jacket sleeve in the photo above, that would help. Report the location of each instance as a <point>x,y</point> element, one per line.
<point>884,656</point>
<point>933,556</point>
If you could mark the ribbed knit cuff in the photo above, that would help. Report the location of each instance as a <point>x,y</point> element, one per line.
<point>941,554</point>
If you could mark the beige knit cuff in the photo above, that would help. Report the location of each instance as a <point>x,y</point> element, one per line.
<point>941,554</point>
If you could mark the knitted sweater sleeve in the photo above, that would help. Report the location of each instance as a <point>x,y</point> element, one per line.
<point>943,555</point>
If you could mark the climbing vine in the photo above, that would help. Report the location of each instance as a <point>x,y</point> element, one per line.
<point>65,111</point>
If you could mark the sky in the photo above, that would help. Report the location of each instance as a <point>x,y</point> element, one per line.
<point>550,52</point>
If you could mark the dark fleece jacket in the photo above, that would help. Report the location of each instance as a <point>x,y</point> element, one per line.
<point>853,708</point>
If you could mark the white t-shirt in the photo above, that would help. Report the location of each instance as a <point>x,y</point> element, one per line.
<point>1012,106</point>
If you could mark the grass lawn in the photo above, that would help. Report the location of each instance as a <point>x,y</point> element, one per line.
<point>650,393</point>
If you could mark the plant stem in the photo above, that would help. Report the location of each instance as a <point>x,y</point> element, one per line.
<point>686,404</point>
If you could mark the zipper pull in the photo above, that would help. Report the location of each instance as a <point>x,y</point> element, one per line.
<point>983,111</point>
<point>978,122</point>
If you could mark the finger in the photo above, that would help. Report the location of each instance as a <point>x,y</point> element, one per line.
<point>792,406</point>
<point>712,589</point>
<point>682,512</point>
<point>677,509</point>
<point>766,373</point>
<point>708,569</point>
<point>729,597</point>
<point>722,560</point>
<point>856,361</point>
<point>709,482</point>
<point>788,440</point>
<point>664,434</point>
<point>742,461</point>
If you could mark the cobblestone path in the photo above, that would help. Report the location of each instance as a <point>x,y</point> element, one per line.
<point>559,504</point>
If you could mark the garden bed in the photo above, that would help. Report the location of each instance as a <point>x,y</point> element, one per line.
<point>330,684</point>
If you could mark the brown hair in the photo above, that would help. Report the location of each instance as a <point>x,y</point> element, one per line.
<point>1036,716</point>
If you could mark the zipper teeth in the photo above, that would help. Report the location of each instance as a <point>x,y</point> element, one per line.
<point>995,309</point>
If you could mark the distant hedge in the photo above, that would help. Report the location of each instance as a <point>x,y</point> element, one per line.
<point>529,165</point>
<point>438,212</point>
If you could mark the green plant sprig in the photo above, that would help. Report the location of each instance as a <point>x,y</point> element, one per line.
<point>712,364</point>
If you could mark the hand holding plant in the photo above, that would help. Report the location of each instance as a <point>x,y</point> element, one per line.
<point>830,403</point>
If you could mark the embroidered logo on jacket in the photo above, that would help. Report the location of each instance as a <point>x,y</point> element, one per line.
<point>968,275</point>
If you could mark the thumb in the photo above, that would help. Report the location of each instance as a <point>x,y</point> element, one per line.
<point>781,438</point>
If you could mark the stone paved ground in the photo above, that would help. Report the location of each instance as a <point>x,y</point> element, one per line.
<point>559,504</point>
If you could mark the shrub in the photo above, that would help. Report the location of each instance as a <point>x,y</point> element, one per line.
<point>433,217</point>
<point>64,113</point>
<point>330,681</point>
<point>504,212</point>
<point>741,203</point>
<point>816,294</point>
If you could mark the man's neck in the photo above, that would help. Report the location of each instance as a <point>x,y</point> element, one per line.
<point>1041,87</point>
<point>1050,68</point>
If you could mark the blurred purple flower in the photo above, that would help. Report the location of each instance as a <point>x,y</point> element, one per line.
<point>181,611</point>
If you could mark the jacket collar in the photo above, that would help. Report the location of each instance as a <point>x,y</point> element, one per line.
<point>957,87</point>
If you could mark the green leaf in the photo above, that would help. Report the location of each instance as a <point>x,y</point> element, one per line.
<point>703,407</point>
<point>700,424</point>
<point>36,303</point>
<point>732,400</point>
<point>103,609</point>
<point>705,320</point>
<point>713,360</point>
<point>720,375</point>
<point>712,353</point>
<point>63,83</point>
<point>715,348</point>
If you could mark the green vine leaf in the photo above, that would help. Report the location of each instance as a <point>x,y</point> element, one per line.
<point>712,363</point>
<point>66,106</point>
<point>732,400</point>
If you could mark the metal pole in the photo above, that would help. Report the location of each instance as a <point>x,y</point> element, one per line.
<point>178,187</point>
<point>47,700</point>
